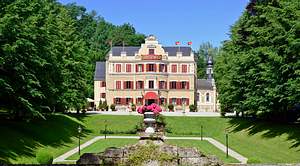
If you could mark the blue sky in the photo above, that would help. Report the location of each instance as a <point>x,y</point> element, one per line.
<point>172,20</point>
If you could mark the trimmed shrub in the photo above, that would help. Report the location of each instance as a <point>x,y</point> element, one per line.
<point>113,107</point>
<point>193,108</point>
<point>133,107</point>
<point>171,107</point>
<point>44,157</point>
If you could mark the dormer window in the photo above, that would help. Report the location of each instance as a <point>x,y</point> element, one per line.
<point>151,51</point>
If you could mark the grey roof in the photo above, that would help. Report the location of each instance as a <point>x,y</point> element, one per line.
<point>204,84</point>
<point>130,51</point>
<point>186,51</point>
<point>100,71</point>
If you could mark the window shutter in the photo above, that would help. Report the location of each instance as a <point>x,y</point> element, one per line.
<point>123,101</point>
<point>187,85</point>
<point>166,68</point>
<point>124,84</point>
<point>147,67</point>
<point>170,100</point>
<point>142,67</point>
<point>170,85</point>
<point>136,68</point>
<point>115,101</point>
<point>154,67</point>
<point>131,82</point>
<point>177,85</point>
<point>178,101</point>
<point>187,101</point>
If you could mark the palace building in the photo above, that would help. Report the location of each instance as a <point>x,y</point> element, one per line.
<point>151,73</point>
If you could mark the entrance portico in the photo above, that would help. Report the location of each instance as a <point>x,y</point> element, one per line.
<point>151,97</point>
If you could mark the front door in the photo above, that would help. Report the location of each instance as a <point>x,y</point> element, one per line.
<point>150,101</point>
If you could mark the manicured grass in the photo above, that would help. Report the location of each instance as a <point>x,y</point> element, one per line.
<point>260,142</point>
<point>202,146</point>
<point>102,144</point>
<point>205,147</point>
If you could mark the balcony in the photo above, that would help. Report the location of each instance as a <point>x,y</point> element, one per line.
<point>151,57</point>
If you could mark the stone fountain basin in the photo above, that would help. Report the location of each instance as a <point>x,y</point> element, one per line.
<point>149,120</point>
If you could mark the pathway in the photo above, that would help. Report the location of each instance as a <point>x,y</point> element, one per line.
<point>214,142</point>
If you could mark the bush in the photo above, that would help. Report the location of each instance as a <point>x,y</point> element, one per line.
<point>105,106</point>
<point>113,107</point>
<point>193,108</point>
<point>133,107</point>
<point>171,107</point>
<point>44,157</point>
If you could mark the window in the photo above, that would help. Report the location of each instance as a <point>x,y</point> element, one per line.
<point>102,84</point>
<point>184,68</point>
<point>162,85</point>
<point>118,84</point>
<point>128,85</point>
<point>118,68</point>
<point>174,101</point>
<point>162,101</point>
<point>118,100</point>
<point>198,97</point>
<point>140,68</point>
<point>151,84</point>
<point>207,97</point>
<point>151,67</point>
<point>162,68</point>
<point>140,85</point>
<point>184,101</point>
<point>183,85</point>
<point>128,68</point>
<point>173,85</point>
<point>127,101</point>
<point>102,95</point>
<point>151,51</point>
<point>139,101</point>
<point>174,68</point>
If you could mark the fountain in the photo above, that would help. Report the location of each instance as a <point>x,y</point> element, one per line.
<point>149,120</point>
<point>151,139</point>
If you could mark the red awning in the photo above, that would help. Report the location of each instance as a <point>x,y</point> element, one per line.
<point>151,95</point>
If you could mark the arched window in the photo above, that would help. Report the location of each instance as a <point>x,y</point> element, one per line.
<point>207,97</point>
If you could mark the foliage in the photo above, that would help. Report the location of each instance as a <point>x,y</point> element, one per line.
<point>103,105</point>
<point>258,69</point>
<point>44,157</point>
<point>149,108</point>
<point>133,107</point>
<point>205,50</point>
<point>148,152</point>
<point>21,140</point>
<point>193,108</point>
<point>171,107</point>
<point>113,107</point>
<point>48,53</point>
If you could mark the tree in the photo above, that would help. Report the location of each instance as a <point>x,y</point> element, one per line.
<point>42,61</point>
<point>205,50</point>
<point>258,70</point>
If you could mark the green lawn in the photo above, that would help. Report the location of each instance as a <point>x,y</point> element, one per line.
<point>259,141</point>
<point>102,144</point>
<point>205,147</point>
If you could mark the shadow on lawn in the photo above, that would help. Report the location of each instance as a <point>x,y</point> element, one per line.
<point>23,138</point>
<point>269,129</point>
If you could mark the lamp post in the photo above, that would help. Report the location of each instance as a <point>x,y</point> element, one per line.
<point>201,133</point>
<point>105,129</point>
<point>79,132</point>
<point>226,137</point>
